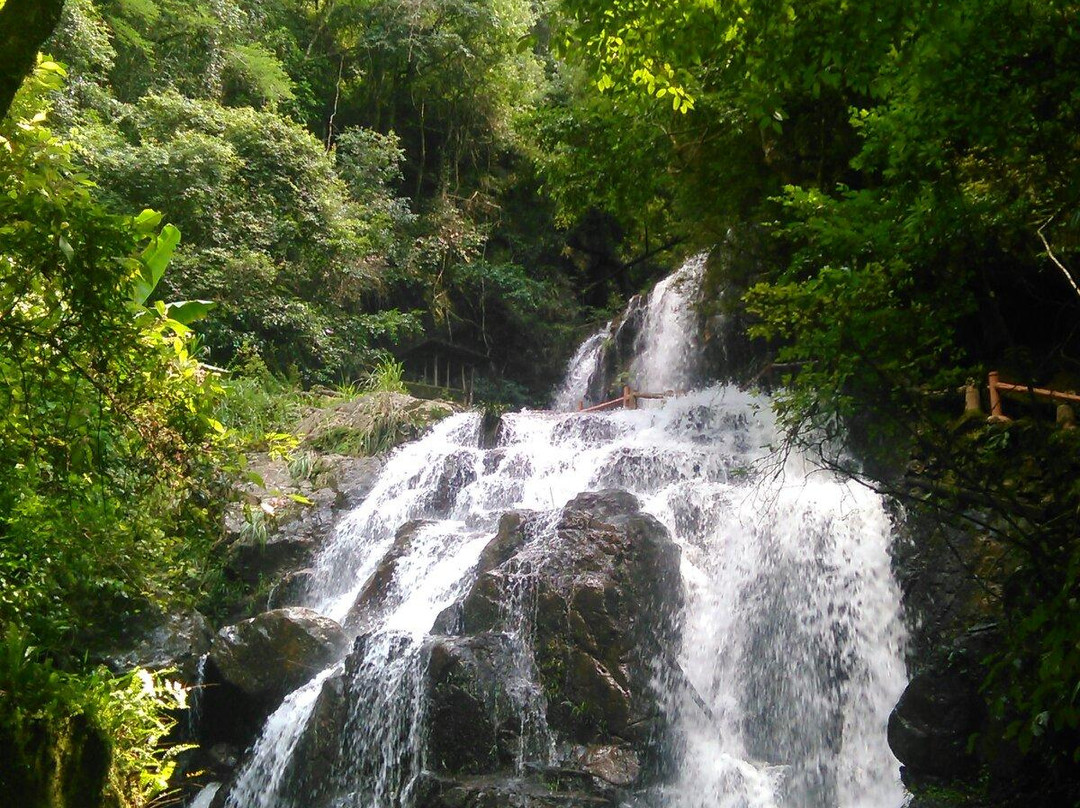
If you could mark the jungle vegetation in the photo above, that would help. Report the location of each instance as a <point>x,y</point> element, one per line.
<point>201,199</point>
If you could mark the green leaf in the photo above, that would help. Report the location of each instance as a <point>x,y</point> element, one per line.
<point>148,221</point>
<point>188,311</point>
<point>154,260</point>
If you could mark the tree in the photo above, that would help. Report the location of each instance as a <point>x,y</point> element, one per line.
<point>106,416</point>
<point>24,26</point>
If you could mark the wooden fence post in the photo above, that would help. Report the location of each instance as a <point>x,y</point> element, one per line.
<point>995,396</point>
<point>1066,418</point>
<point>971,399</point>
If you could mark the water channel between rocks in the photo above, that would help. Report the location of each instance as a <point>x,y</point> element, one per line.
<point>768,684</point>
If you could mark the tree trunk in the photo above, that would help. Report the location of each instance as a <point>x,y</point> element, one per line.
<point>24,26</point>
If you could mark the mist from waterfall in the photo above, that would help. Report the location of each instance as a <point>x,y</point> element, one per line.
<point>792,638</point>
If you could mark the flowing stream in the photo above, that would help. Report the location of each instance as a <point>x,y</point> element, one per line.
<point>792,635</point>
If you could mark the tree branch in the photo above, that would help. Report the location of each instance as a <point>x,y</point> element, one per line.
<point>1057,263</point>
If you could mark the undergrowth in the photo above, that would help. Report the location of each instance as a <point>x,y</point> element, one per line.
<point>52,720</point>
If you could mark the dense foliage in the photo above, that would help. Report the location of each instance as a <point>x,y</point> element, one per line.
<point>107,492</point>
<point>107,428</point>
<point>334,170</point>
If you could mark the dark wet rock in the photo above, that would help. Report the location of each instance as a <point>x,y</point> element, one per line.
<point>380,585</point>
<point>607,589</point>
<point>458,470</point>
<point>931,725</point>
<point>473,723</point>
<point>617,354</point>
<point>508,540</point>
<point>159,641</point>
<point>617,765</point>
<point>54,763</point>
<point>291,590</point>
<point>318,750</point>
<point>496,791</point>
<point>275,652</point>
<point>491,429</point>
<point>252,561</point>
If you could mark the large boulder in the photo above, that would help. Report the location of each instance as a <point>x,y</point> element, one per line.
<point>598,597</point>
<point>930,727</point>
<point>254,664</point>
<point>607,593</point>
<point>269,655</point>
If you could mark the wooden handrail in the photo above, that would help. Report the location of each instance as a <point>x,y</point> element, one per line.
<point>607,405</point>
<point>628,400</point>
<point>997,387</point>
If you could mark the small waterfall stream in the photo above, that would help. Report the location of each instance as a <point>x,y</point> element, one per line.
<point>792,640</point>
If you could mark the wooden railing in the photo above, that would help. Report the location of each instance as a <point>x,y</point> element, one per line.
<point>627,401</point>
<point>997,387</point>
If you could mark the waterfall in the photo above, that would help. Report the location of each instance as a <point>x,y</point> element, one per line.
<point>667,349</point>
<point>792,639</point>
<point>582,371</point>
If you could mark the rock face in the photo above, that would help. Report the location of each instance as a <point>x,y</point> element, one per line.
<point>606,590</point>
<point>254,664</point>
<point>166,641</point>
<point>290,514</point>
<point>534,689</point>
<point>931,726</point>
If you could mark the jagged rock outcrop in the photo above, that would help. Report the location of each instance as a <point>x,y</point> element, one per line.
<point>555,645</point>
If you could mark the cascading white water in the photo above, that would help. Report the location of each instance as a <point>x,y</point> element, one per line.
<point>584,365</point>
<point>667,351</point>
<point>792,639</point>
